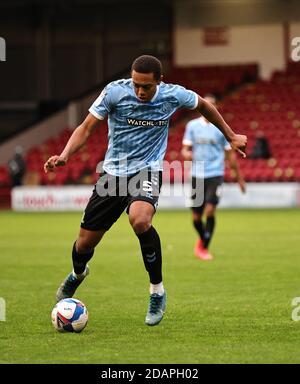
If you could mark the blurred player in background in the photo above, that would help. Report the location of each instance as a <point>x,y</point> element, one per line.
<point>17,167</point>
<point>139,110</point>
<point>207,148</point>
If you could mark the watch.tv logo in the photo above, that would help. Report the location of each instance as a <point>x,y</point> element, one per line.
<point>2,49</point>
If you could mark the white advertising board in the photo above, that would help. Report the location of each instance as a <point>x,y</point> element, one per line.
<point>75,198</point>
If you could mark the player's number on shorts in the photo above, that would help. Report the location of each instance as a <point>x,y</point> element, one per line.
<point>295,313</point>
<point>147,186</point>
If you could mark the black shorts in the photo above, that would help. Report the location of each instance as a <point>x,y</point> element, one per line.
<point>112,194</point>
<point>210,190</point>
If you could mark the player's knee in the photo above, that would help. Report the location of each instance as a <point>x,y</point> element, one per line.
<point>210,210</point>
<point>140,224</point>
<point>83,245</point>
<point>197,217</point>
<point>88,240</point>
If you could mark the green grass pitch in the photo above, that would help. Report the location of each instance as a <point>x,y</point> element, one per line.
<point>234,309</point>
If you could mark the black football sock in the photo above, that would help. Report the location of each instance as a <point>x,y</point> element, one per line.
<point>199,228</point>
<point>209,230</point>
<point>80,260</point>
<point>151,251</point>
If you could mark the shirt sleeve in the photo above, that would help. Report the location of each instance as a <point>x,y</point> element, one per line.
<point>186,98</point>
<point>104,103</point>
<point>188,135</point>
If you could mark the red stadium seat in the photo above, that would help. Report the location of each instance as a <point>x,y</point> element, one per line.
<point>271,106</point>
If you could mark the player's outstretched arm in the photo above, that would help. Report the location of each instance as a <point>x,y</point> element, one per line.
<point>210,112</point>
<point>76,141</point>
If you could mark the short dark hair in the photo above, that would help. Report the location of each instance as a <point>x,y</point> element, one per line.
<point>147,64</point>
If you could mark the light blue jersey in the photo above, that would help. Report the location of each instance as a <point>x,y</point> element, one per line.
<point>208,144</point>
<point>138,131</point>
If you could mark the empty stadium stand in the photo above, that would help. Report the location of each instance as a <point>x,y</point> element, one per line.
<point>248,104</point>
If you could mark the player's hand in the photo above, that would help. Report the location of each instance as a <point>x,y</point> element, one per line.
<point>239,144</point>
<point>53,162</point>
